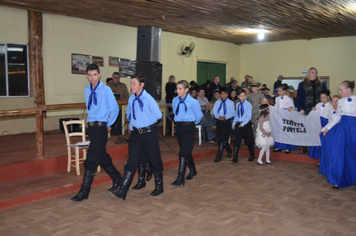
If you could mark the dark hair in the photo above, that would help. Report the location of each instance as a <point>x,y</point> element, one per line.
<point>200,89</point>
<point>108,80</point>
<point>171,77</point>
<point>231,98</point>
<point>241,91</point>
<point>116,73</point>
<point>284,87</point>
<point>349,84</point>
<point>336,96</point>
<point>264,113</point>
<point>92,67</point>
<point>216,91</point>
<point>326,92</point>
<point>184,83</point>
<point>140,78</point>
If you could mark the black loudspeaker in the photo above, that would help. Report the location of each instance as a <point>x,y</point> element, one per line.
<point>148,44</point>
<point>152,71</point>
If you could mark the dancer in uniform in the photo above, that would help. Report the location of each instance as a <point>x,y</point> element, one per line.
<point>143,113</point>
<point>187,115</point>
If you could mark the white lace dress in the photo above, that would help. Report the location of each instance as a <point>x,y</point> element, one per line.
<point>261,138</point>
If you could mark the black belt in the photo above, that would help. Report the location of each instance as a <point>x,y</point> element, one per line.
<point>185,123</point>
<point>144,130</point>
<point>97,123</point>
<point>228,120</point>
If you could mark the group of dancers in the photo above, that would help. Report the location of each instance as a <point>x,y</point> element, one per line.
<point>338,157</point>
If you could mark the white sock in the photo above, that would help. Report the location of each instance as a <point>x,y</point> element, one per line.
<point>267,154</point>
<point>262,151</point>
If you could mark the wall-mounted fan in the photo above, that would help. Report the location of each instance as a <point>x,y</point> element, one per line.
<point>187,50</point>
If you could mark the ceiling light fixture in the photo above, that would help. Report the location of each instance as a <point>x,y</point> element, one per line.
<point>261,36</point>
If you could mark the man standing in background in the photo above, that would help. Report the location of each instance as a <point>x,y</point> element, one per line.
<point>119,88</point>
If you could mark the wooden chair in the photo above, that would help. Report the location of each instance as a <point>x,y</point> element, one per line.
<point>76,147</point>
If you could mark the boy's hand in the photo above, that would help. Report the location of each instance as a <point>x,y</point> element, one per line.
<point>221,117</point>
<point>233,127</point>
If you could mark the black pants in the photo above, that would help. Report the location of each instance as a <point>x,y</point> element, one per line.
<point>97,155</point>
<point>223,129</point>
<point>245,133</point>
<point>144,146</point>
<point>186,138</point>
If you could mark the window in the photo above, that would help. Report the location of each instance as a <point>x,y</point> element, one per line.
<point>208,70</point>
<point>14,81</point>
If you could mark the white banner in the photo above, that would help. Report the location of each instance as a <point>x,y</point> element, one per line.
<point>294,127</point>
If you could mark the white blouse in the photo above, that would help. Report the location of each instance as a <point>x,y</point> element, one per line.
<point>344,107</point>
<point>325,110</point>
<point>284,102</point>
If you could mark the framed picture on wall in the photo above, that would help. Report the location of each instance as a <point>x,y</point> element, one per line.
<point>114,61</point>
<point>99,61</point>
<point>80,63</point>
<point>127,67</point>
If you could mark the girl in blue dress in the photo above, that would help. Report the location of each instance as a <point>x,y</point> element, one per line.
<point>325,148</point>
<point>342,159</point>
<point>324,108</point>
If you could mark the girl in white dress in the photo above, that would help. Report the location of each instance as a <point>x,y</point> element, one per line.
<point>263,134</point>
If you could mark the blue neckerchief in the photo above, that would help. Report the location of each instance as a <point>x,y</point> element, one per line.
<point>182,101</point>
<point>139,102</point>
<point>334,112</point>
<point>281,97</point>
<point>349,99</point>
<point>222,102</point>
<point>93,94</point>
<point>240,109</point>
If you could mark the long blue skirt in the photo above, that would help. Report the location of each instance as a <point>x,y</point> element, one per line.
<point>325,151</point>
<point>342,163</point>
<point>284,146</point>
<point>315,151</point>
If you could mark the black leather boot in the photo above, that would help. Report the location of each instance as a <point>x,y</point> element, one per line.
<point>114,175</point>
<point>252,154</point>
<point>149,172</point>
<point>124,185</point>
<point>220,153</point>
<point>158,183</point>
<point>85,188</point>
<point>228,149</point>
<point>181,172</point>
<point>191,166</point>
<point>236,153</point>
<point>141,178</point>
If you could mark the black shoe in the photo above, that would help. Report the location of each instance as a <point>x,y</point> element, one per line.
<point>141,183</point>
<point>158,183</point>
<point>277,150</point>
<point>220,153</point>
<point>148,172</point>
<point>114,175</point>
<point>235,157</point>
<point>124,186</point>
<point>228,150</point>
<point>287,151</point>
<point>191,166</point>
<point>181,172</point>
<point>252,154</point>
<point>85,188</point>
<point>336,187</point>
<point>305,149</point>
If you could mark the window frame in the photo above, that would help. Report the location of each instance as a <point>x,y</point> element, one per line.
<point>7,72</point>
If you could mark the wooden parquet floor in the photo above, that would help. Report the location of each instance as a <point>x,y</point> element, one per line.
<point>224,199</point>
